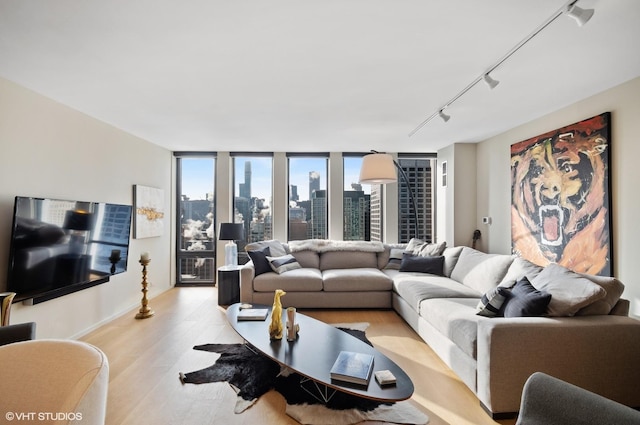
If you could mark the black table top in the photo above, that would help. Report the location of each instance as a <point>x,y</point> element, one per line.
<point>315,350</point>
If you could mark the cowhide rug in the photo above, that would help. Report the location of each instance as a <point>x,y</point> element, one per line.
<point>251,375</point>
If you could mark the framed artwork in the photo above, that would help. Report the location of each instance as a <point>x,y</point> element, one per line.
<point>149,207</point>
<point>560,197</point>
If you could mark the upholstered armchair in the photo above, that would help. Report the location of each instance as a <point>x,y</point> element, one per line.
<point>550,401</point>
<point>65,378</point>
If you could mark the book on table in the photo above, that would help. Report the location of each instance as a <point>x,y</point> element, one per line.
<point>385,377</point>
<point>253,314</point>
<point>352,367</point>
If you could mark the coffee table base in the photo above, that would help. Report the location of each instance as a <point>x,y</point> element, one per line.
<point>320,392</point>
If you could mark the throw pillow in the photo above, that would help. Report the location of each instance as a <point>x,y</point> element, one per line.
<point>491,302</point>
<point>526,301</point>
<point>416,263</point>
<point>432,249</point>
<point>259,258</point>
<point>425,249</point>
<point>480,271</point>
<point>518,269</point>
<point>395,258</point>
<point>283,263</point>
<point>570,292</point>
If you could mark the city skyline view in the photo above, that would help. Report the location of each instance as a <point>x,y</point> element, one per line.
<point>198,175</point>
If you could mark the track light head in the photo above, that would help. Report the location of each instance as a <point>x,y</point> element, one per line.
<point>444,116</point>
<point>581,15</point>
<point>490,81</point>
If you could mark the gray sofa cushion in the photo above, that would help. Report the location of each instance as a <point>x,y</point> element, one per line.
<point>518,269</point>
<point>309,259</point>
<point>481,271</point>
<point>294,280</point>
<point>451,256</point>
<point>416,287</point>
<point>360,279</point>
<point>454,318</point>
<point>348,260</point>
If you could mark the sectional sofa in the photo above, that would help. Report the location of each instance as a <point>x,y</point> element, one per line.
<point>455,299</point>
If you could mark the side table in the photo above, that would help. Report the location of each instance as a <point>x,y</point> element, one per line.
<point>228,285</point>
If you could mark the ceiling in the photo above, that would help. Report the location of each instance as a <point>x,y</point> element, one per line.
<point>323,75</point>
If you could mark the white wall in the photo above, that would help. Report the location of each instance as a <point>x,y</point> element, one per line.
<point>493,177</point>
<point>49,150</point>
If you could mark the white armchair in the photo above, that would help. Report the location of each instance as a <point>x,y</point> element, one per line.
<point>61,381</point>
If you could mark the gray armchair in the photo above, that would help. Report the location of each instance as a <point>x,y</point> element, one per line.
<point>549,401</point>
<point>17,333</point>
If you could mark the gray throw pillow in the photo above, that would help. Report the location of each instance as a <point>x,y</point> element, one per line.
<point>569,291</point>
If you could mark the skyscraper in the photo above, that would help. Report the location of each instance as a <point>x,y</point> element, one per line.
<point>356,216</point>
<point>314,182</point>
<point>419,173</point>
<point>318,228</point>
<point>245,188</point>
<point>376,212</point>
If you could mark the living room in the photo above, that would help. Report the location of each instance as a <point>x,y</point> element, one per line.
<point>54,150</point>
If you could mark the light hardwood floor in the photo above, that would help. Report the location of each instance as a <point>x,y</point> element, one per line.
<point>147,355</point>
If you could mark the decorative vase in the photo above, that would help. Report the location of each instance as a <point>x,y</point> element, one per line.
<point>275,328</point>
<point>6,298</point>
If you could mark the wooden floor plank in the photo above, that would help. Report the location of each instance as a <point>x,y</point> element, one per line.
<point>146,357</point>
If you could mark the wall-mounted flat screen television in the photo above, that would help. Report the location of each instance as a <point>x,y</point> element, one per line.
<point>58,246</point>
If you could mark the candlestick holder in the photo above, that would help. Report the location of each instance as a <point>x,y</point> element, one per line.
<point>145,311</point>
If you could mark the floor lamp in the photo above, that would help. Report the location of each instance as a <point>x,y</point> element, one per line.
<point>380,168</point>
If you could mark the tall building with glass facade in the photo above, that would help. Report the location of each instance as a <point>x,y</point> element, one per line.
<point>419,173</point>
<point>356,216</point>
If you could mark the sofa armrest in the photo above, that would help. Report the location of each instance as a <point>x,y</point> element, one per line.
<point>17,333</point>
<point>247,273</point>
<point>550,401</point>
<point>597,353</point>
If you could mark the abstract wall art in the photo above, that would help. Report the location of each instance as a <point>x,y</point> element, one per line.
<point>149,208</point>
<point>560,197</point>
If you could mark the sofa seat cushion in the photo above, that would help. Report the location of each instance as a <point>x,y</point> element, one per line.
<point>456,319</point>
<point>304,280</point>
<point>415,287</point>
<point>356,279</point>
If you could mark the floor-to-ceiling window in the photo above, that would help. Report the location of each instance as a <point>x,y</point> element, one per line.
<point>420,170</point>
<point>308,196</point>
<point>252,198</point>
<point>357,212</point>
<point>196,248</point>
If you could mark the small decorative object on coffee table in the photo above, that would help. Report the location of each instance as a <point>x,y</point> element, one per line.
<point>292,327</point>
<point>275,328</point>
<point>145,311</point>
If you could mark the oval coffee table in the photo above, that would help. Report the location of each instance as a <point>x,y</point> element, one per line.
<point>315,350</point>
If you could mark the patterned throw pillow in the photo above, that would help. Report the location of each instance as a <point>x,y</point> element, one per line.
<point>283,263</point>
<point>491,302</point>
<point>395,258</point>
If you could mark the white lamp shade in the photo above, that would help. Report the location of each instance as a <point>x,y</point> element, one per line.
<point>378,168</point>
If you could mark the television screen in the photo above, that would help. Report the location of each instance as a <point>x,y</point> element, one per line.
<point>59,247</point>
